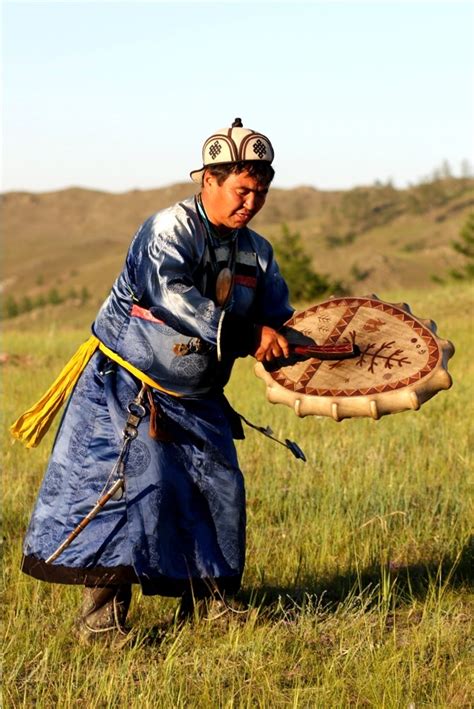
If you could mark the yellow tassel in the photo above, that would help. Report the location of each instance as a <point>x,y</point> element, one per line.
<point>35,423</point>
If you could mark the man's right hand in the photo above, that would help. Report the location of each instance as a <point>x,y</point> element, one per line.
<point>270,344</point>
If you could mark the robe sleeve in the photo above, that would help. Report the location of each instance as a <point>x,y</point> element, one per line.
<point>272,302</point>
<point>165,274</point>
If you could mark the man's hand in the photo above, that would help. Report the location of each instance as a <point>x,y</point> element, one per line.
<point>270,344</point>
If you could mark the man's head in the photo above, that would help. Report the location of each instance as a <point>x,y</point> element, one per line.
<point>235,176</point>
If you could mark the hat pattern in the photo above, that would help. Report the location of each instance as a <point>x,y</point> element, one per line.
<point>259,149</point>
<point>214,149</point>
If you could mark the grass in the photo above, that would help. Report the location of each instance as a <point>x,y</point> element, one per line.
<point>359,564</point>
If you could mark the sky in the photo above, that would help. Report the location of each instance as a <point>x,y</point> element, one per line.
<point>121,95</point>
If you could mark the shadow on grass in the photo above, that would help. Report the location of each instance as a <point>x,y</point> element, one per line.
<point>374,587</point>
<point>373,584</point>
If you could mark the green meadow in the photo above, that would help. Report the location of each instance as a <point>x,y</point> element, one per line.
<point>359,571</point>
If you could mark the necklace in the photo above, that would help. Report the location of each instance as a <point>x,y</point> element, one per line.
<point>224,275</point>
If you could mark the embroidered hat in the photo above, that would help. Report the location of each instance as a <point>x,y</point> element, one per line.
<point>234,144</point>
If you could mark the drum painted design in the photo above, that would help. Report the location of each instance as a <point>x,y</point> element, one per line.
<point>399,363</point>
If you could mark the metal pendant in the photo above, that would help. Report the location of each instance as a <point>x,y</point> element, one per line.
<point>118,495</point>
<point>224,283</point>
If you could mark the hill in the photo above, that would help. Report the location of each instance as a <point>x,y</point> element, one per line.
<point>372,238</point>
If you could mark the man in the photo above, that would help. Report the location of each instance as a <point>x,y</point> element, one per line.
<point>197,290</point>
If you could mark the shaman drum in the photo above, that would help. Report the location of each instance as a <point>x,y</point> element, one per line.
<point>398,362</point>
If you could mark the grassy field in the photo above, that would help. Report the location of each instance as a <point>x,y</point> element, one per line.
<point>359,568</point>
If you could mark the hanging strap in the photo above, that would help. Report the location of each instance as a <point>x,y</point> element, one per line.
<point>292,446</point>
<point>235,419</point>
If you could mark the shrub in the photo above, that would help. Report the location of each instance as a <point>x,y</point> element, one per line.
<point>53,297</point>
<point>10,308</point>
<point>85,295</point>
<point>26,304</point>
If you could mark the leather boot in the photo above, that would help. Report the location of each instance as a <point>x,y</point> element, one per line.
<point>103,613</point>
<point>212,608</point>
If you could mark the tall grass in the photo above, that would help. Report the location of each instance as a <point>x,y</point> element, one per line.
<point>359,564</point>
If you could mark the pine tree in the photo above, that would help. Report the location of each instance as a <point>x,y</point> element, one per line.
<point>465,246</point>
<point>296,268</point>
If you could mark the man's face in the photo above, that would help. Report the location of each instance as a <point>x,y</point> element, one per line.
<point>232,204</point>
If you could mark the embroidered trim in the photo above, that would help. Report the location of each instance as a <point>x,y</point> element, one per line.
<point>144,314</point>
<point>248,281</point>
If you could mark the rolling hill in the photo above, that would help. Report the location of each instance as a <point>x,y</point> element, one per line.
<point>372,238</point>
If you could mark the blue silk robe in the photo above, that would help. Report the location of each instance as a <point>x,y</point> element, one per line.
<point>181,520</point>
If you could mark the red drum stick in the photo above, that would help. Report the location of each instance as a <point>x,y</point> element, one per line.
<point>339,351</point>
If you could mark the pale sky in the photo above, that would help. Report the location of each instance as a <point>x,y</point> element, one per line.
<point>121,95</point>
